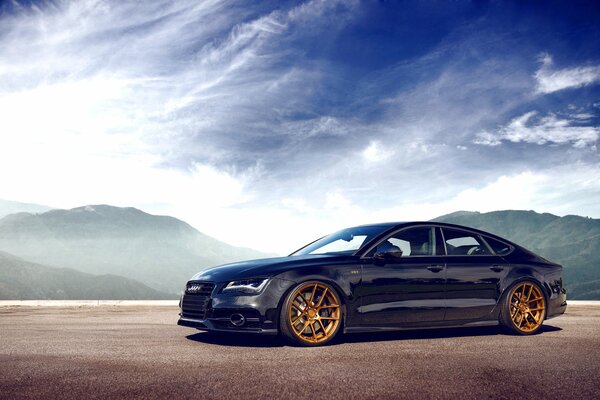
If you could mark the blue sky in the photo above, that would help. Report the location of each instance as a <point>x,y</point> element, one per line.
<point>267,124</point>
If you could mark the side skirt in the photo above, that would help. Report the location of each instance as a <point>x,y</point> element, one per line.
<point>357,329</point>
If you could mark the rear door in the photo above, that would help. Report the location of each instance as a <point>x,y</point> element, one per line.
<point>473,275</point>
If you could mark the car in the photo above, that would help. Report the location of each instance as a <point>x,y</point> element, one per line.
<point>380,277</point>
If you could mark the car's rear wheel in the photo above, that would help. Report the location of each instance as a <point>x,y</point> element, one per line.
<point>311,314</point>
<point>524,308</point>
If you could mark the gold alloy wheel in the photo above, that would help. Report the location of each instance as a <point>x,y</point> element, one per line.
<point>527,306</point>
<point>314,312</point>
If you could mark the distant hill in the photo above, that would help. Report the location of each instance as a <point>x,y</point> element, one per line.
<point>572,241</point>
<point>159,251</point>
<point>11,207</point>
<point>22,280</point>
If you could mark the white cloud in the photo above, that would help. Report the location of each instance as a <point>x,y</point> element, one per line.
<point>550,80</point>
<point>211,113</point>
<point>336,200</point>
<point>555,190</point>
<point>314,127</point>
<point>561,190</point>
<point>376,152</point>
<point>296,204</point>
<point>101,102</point>
<point>541,130</point>
<point>583,116</point>
<point>487,138</point>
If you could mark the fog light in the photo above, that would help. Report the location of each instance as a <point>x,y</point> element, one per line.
<point>237,319</point>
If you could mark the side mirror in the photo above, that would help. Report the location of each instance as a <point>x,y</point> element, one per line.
<point>380,258</point>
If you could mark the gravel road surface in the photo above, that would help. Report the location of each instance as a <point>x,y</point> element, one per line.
<point>138,352</point>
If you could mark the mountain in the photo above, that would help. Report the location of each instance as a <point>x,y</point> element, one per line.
<point>159,251</point>
<point>572,241</point>
<point>11,207</point>
<point>163,252</point>
<point>22,280</point>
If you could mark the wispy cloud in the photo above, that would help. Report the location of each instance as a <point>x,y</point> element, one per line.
<point>552,80</point>
<point>270,115</point>
<point>177,108</point>
<point>530,128</point>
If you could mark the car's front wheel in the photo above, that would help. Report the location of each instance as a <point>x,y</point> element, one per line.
<point>311,314</point>
<point>524,308</point>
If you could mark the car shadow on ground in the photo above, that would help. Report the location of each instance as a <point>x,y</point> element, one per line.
<point>253,340</point>
<point>237,339</point>
<point>437,333</point>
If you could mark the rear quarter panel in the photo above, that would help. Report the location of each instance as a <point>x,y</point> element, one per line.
<point>528,266</point>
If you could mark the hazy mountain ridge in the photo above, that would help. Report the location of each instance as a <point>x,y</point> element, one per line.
<point>11,207</point>
<point>22,280</point>
<point>572,241</point>
<point>163,252</point>
<point>159,251</point>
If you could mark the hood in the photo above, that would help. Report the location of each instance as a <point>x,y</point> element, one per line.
<point>266,267</point>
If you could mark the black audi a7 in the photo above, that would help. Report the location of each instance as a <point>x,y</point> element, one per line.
<point>376,278</point>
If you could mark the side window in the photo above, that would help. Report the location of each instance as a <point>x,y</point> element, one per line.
<point>461,243</point>
<point>411,242</point>
<point>497,246</point>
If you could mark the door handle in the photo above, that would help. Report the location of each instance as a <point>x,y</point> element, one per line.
<point>435,268</point>
<point>497,268</point>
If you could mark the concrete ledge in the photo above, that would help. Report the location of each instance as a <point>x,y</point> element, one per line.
<point>88,303</point>
<point>94,303</point>
<point>583,302</point>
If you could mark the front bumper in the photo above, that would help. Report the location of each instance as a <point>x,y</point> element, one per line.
<point>260,311</point>
<point>209,325</point>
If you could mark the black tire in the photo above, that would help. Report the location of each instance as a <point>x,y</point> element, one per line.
<point>290,333</point>
<point>522,321</point>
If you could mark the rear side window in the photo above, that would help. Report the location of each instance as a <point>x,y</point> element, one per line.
<point>461,243</point>
<point>499,247</point>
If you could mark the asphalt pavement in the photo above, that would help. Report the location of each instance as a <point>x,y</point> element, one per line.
<point>139,352</point>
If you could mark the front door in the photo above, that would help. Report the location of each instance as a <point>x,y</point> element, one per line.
<point>403,280</point>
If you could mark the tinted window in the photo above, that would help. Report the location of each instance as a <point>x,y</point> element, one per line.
<point>411,242</point>
<point>497,246</point>
<point>461,243</point>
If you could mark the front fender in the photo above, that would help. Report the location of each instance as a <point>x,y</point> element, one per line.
<point>344,279</point>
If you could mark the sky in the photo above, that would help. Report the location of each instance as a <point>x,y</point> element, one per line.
<point>268,124</point>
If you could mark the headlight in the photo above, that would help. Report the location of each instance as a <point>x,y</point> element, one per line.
<point>252,286</point>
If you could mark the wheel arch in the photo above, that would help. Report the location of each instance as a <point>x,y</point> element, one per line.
<point>338,290</point>
<point>546,291</point>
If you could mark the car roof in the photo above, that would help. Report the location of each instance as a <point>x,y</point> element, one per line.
<point>402,224</point>
<point>393,226</point>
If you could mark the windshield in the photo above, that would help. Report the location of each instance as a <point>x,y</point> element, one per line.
<point>346,241</point>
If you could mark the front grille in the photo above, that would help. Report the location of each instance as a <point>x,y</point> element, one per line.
<point>196,299</point>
